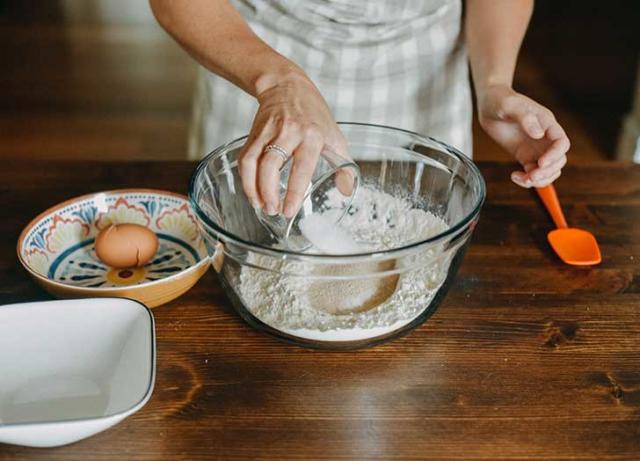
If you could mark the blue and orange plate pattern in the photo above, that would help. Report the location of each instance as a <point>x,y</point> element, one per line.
<point>57,247</point>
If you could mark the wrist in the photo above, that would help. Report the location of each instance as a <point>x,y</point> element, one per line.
<point>278,75</point>
<point>489,95</point>
<point>491,85</point>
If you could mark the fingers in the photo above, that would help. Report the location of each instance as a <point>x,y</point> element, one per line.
<point>248,166</point>
<point>260,170</point>
<point>521,109</point>
<point>345,181</point>
<point>554,158</point>
<point>269,171</point>
<point>338,144</point>
<point>521,178</point>
<point>540,143</point>
<point>548,180</point>
<point>535,176</point>
<point>304,164</point>
<point>541,174</point>
<point>531,125</point>
<point>559,145</point>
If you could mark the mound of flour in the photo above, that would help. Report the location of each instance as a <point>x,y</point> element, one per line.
<point>332,302</point>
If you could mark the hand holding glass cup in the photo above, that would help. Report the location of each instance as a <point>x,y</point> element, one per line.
<point>333,174</point>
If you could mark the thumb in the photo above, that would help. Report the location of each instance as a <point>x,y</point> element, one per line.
<point>517,109</point>
<point>521,178</point>
<point>531,125</point>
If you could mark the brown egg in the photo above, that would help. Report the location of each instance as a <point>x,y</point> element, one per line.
<point>126,245</point>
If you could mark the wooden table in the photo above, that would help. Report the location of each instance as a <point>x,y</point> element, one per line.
<point>526,358</point>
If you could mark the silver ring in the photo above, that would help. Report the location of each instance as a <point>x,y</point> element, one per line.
<point>281,151</point>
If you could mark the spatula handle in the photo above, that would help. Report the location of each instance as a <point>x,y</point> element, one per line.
<point>550,199</point>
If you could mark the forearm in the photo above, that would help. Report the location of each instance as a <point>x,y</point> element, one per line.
<point>494,33</point>
<point>216,35</point>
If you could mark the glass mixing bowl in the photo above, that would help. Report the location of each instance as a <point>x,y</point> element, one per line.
<point>344,301</point>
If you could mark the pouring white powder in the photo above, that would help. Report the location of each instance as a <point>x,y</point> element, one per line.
<point>346,302</point>
<point>328,237</point>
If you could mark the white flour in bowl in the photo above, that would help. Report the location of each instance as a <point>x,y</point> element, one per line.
<point>299,298</point>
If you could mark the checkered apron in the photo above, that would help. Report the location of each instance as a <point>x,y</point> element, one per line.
<point>400,63</point>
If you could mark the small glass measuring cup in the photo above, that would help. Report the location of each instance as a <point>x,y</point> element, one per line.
<point>333,186</point>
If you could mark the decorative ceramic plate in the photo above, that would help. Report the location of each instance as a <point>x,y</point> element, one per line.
<point>57,247</point>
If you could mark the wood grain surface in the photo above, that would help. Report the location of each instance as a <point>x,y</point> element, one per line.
<point>525,359</point>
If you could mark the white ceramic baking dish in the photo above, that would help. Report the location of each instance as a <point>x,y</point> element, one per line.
<point>72,368</point>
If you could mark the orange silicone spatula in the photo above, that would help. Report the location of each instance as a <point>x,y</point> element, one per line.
<point>574,246</point>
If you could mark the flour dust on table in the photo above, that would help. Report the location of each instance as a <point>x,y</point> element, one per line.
<point>358,300</point>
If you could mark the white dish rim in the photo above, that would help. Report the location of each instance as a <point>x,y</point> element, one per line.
<point>132,409</point>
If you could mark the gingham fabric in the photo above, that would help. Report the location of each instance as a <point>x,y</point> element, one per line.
<point>400,63</point>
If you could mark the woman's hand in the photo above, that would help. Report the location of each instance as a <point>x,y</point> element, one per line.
<point>292,113</point>
<point>294,116</point>
<point>527,130</point>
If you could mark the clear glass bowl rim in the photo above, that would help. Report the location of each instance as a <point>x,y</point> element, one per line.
<point>394,252</point>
